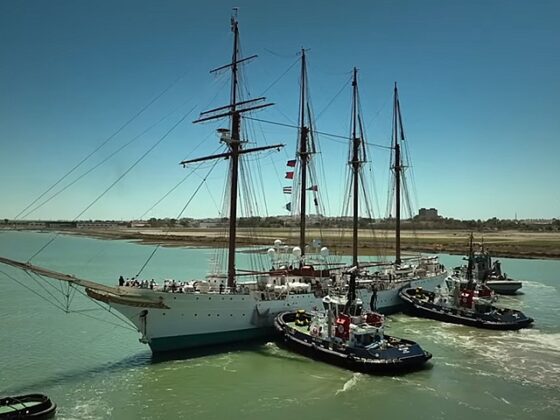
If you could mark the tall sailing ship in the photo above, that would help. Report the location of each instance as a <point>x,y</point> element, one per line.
<point>379,284</point>
<point>222,309</point>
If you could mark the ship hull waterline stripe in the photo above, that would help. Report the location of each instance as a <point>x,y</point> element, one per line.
<point>184,342</point>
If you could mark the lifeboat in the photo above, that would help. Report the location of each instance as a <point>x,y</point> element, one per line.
<point>30,406</point>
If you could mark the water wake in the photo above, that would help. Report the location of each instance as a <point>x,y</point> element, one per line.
<point>349,384</point>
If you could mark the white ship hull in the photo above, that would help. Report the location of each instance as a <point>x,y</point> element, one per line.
<point>200,319</point>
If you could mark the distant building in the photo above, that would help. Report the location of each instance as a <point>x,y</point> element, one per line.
<point>210,225</point>
<point>97,225</point>
<point>139,224</point>
<point>428,214</point>
<point>61,225</point>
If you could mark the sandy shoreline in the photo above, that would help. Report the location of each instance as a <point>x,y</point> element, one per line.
<point>514,244</point>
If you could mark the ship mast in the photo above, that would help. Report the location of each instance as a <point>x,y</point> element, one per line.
<point>233,141</point>
<point>397,169</point>
<point>234,148</point>
<point>356,164</point>
<point>303,153</point>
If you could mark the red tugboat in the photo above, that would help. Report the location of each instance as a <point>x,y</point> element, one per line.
<point>343,334</point>
<point>463,301</point>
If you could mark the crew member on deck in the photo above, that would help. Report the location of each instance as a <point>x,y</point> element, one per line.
<point>121,281</point>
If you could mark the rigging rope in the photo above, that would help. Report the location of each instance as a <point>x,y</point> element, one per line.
<point>178,216</point>
<point>107,140</point>
<point>279,55</point>
<point>104,320</point>
<point>103,161</point>
<point>174,187</point>
<point>58,305</point>
<point>345,84</point>
<point>117,180</point>
<point>318,132</point>
<point>32,291</point>
<point>280,77</point>
<point>29,274</point>
<point>108,309</point>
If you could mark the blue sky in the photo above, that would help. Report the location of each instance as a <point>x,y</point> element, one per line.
<point>478,83</point>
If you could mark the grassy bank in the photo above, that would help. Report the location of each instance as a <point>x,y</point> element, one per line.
<point>500,243</point>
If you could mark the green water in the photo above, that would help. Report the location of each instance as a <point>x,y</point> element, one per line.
<point>93,369</point>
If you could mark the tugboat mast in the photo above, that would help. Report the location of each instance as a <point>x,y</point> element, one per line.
<point>470,264</point>
<point>233,141</point>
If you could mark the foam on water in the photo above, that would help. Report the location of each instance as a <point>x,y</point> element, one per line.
<point>349,384</point>
<point>421,386</point>
<point>85,409</point>
<point>508,350</point>
<point>226,362</point>
<point>501,399</point>
<point>536,285</point>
